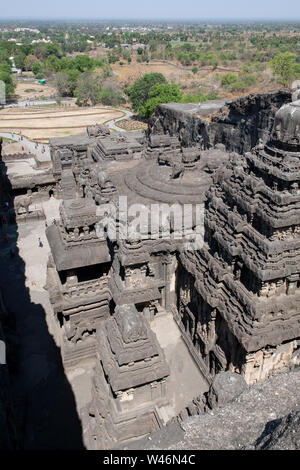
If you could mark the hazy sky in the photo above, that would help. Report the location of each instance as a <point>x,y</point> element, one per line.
<point>152,9</point>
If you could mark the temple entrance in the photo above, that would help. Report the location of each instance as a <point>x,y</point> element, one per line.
<point>51,193</point>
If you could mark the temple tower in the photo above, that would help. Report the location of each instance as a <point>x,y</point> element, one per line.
<point>239,297</point>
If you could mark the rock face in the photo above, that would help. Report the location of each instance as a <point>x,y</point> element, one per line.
<point>284,435</point>
<point>238,125</point>
<point>225,387</point>
<point>239,423</point>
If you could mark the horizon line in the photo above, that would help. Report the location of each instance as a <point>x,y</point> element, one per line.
<point>156,20</point>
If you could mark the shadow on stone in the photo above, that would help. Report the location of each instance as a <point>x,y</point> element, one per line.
<point>43,406</point>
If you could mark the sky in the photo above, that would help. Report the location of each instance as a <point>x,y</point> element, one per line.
<point>152,9</point>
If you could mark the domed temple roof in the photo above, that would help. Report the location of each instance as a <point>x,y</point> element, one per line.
<point>286,128</point>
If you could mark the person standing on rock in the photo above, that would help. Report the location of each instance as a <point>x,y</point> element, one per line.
<point>40,243</point>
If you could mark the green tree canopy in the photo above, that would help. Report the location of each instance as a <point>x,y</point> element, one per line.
<point>88,89</point>
<point>284,65</point>
<point>29,61</point>
<point>161,93</point>
<point>228,79</point>
<point>6,77</point>
<point>139,92</point>
<point>36,68</point>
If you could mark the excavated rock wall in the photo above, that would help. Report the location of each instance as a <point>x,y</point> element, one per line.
<point>254,419</point>
<point>238,125</point>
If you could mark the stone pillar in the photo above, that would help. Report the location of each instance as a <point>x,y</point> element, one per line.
<point>147,314</point>
<point>154,391</point>
<point>128,274</point>
<point>163,384</point>
<point>292,284</point>
<point>248,367</point>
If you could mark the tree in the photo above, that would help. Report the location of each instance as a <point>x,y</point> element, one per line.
<point>64,84</point>
<point>29,61</point>
<point>88,89</point>
<point>40,51</point>
<point>20,60</point>
<point>111,96</point>
<point>228,79</point>
<point>161,93</point>
<point>139,92</point>
<point>36,68</point>
<point>283,65</point>
<point>83,63</point>
<point>6,77</point>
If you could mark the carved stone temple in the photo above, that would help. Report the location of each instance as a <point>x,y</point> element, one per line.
<point>130,380</point>
<point>235,296</point>
<point>238,298</point>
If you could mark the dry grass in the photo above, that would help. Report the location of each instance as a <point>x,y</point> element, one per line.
<point>44,124</point>
<point>37,90</point>
<point>127,74</point>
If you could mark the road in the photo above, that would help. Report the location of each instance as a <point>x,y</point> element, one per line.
<point>46,102</point>
<point>112,124</point>
<point>31,146</point>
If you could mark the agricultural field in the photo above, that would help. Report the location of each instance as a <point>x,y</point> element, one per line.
<point>30,90</point>
<point>96,63</point>
<point>40,124</point>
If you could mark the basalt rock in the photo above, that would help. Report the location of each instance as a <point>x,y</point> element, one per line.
<point>281,434</point>
<point>238,124</point>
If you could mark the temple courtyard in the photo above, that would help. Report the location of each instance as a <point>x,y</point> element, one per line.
<point>185,381</point>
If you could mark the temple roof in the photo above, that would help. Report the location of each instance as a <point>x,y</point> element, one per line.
<point>71,257</point>
<point>129,350</point>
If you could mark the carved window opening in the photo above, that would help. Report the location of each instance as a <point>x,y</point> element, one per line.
<point>122,273</point>
<point>63,276</point>
<point>60,318</point>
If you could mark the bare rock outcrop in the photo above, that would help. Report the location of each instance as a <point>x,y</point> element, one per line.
<point>238,125</point>
<point>281,434</point>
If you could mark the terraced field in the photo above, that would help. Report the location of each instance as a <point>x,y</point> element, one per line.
<point>40,124</point>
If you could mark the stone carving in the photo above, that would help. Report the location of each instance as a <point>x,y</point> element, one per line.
<point>235,299</point>
<point>22,203</point>
<point>98,130</point>
<point>132,364</point>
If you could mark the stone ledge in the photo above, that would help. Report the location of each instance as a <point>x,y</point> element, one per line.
<point>236,425</point>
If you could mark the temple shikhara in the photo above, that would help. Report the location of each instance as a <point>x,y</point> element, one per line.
<point>233,299</point>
